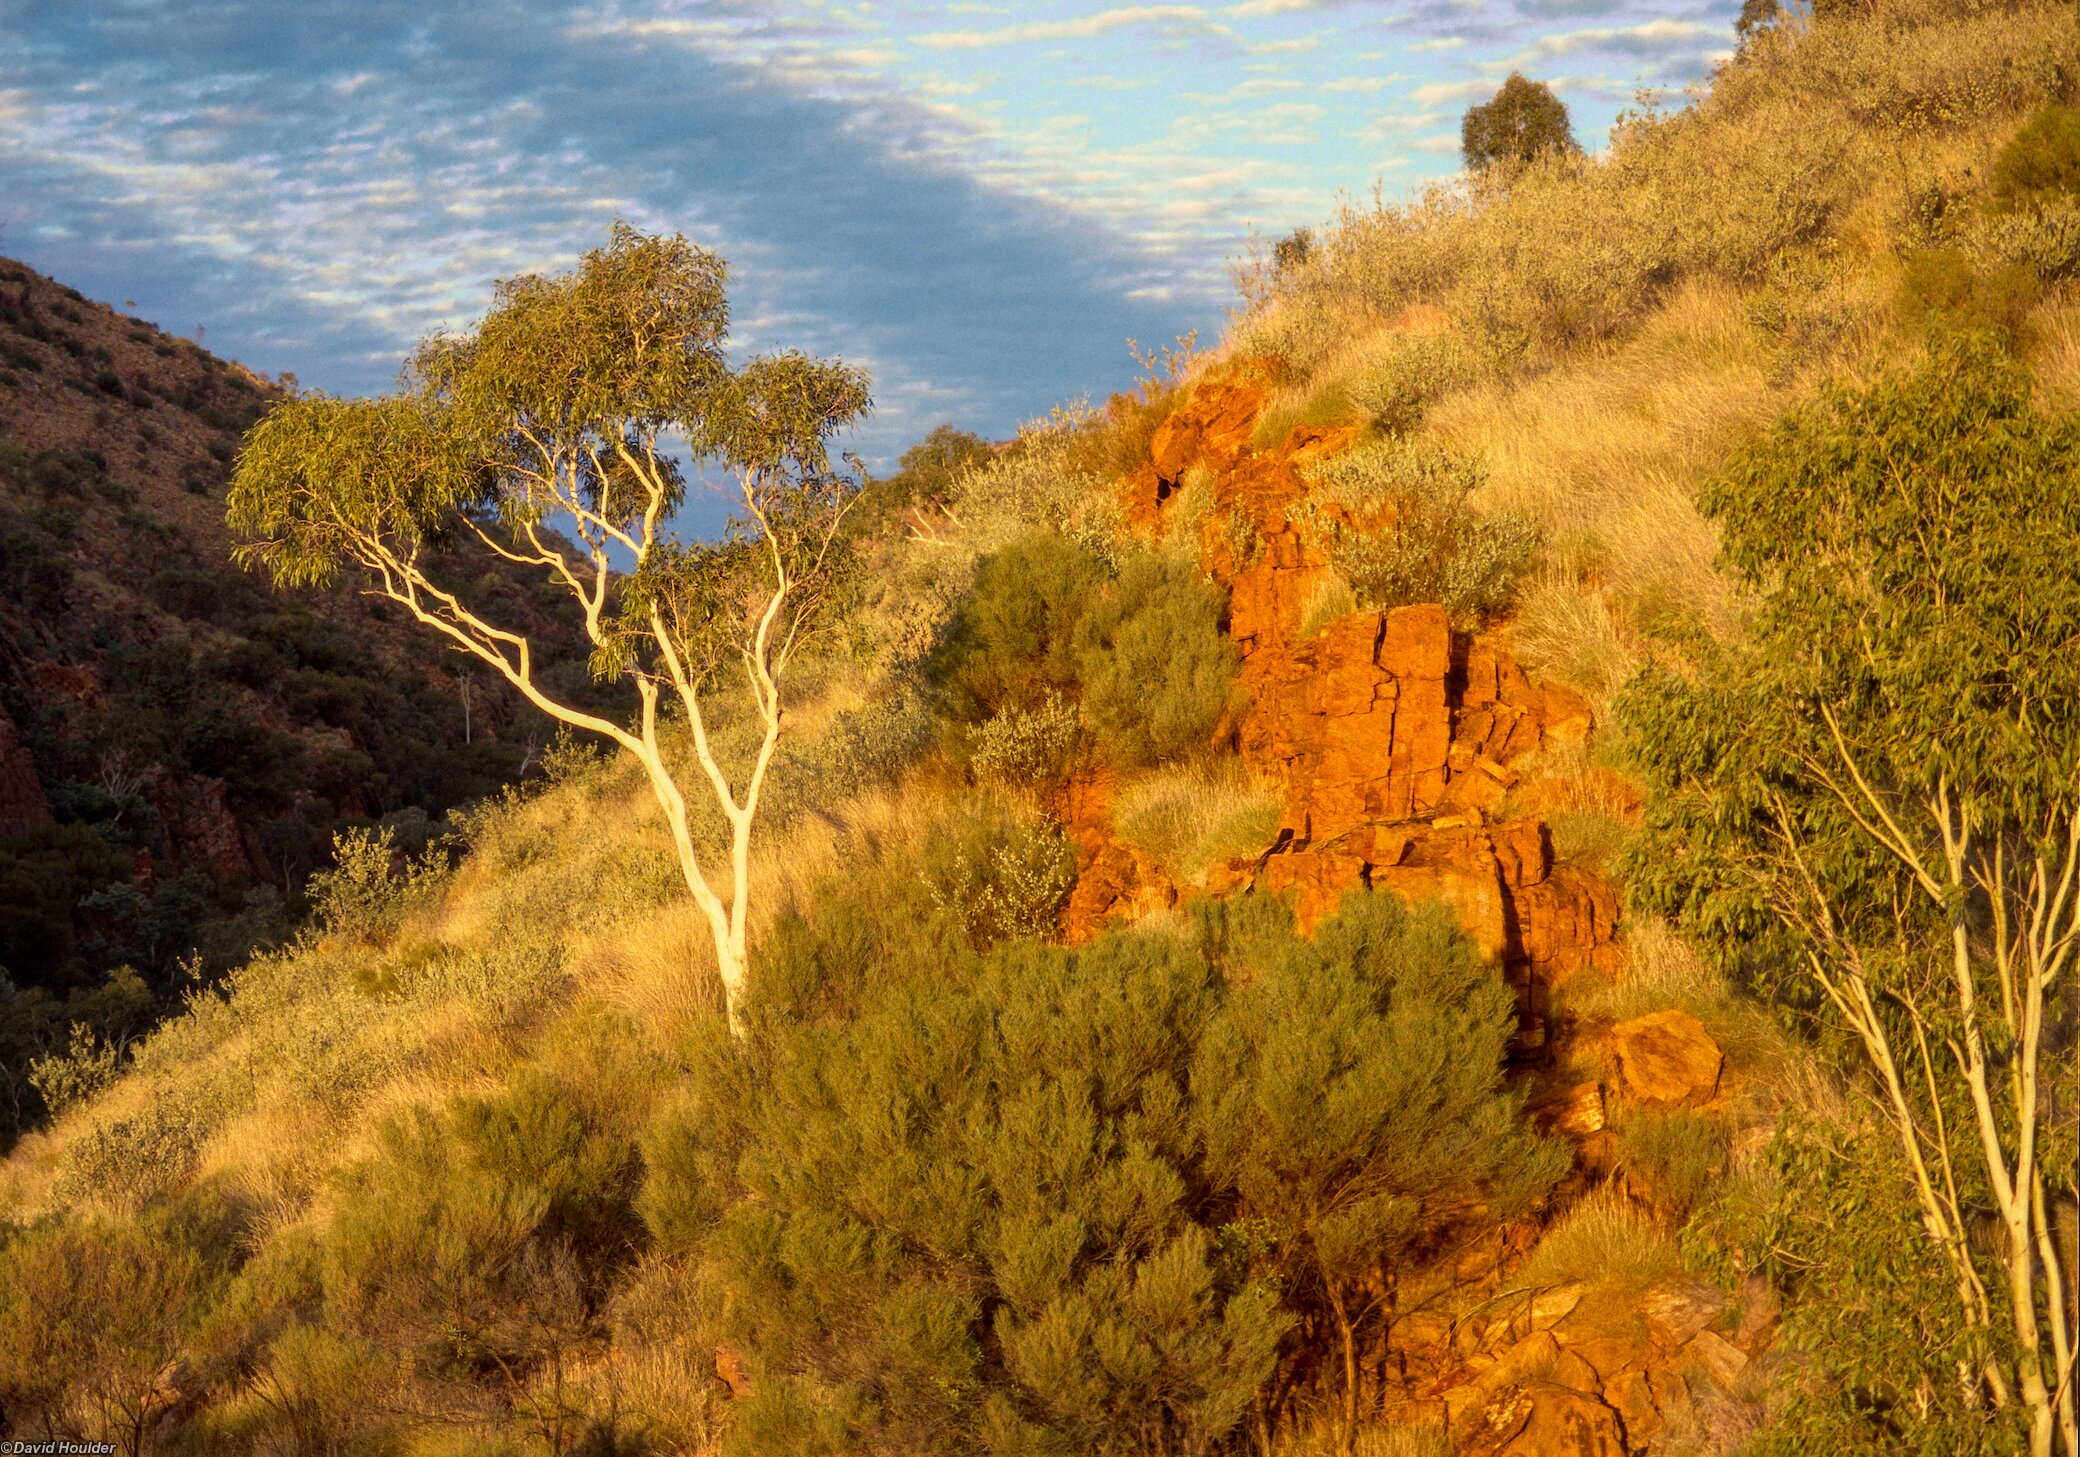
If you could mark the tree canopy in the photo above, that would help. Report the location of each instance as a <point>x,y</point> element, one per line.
<point>1521,121</point>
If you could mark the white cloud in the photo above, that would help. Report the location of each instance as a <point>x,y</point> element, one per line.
<point>1102,23</point>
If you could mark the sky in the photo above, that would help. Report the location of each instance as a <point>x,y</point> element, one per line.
<point>981,203</point>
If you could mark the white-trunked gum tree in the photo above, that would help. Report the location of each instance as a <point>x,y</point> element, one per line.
<point>545,435</point>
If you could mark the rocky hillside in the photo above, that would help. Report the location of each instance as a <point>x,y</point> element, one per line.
<point>178,741</point>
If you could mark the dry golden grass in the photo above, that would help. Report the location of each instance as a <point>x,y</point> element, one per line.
<point>1193,816</point>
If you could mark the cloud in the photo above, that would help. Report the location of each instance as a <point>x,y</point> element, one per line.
<point>1651,37</point>
<point>1083,28</point>
<point>320,207</point>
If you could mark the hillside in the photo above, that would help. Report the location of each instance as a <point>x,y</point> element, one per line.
<point>180,742</point>
<point>1307,911</point>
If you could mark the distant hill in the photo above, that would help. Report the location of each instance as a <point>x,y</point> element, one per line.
<point>178,741</point>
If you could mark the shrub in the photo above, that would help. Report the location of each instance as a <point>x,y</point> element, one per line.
<point>1351,1092</point>
<point>1420,541</point>
<point>1000,873</point>
<point>1013,640</point>
<point>1403,377</point>
<point>90,1316</point>
<point>1140,652</point>
<point>1009,1198</point>
<point>1940,286</point>
<point>1026,748</point>
<point>2041,163</point>
<point>1155,666</point>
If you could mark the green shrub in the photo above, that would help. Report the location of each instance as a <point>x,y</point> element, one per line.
<point>1155,666</point>
<point>1009,1199</point>
<point>90,1316</point>
<point>1420,540</point>
<point>1013,640</point>
<point>2041,163</point>
<point>474,1243</point>
<point>1022,748</point>
<point>1139,651</point>
<point>1402,379</point>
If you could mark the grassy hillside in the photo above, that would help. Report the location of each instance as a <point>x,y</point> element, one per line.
<point>1051,1132</point>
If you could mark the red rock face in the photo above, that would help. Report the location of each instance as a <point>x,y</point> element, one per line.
<point>1114,881</point>
<point>200,826</point>
<point>1395,738</point>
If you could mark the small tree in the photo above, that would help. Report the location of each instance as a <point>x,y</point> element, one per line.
<point>1518,123</point>
<point>1878,795</point>
<point>557,410</point>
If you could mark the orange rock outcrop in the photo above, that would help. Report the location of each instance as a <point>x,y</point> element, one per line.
<point>1396,739</point>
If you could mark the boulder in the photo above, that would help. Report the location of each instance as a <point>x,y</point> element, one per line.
<point>1632,1398</point>
<point>1677,1309</point>
<point>1717,1357</point>
<point>1666,1059</point>
<point>1543,1419</point>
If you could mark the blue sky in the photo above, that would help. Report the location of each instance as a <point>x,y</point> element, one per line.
<point>979,202</point>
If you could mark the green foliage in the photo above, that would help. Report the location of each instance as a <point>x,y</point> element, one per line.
<point>1910,542</point>
<point>44,874</point>
<point>1020,748</point>
<point>1014,639</point>
<point>2040,164</point>
<point>363,894</point>
<point>1153,661</point>
<point>1398,527</point>
<point>1914,536</point>
<point>477,1240</point>
<point>992,1201</point>
<point>1405,377</point>
<point>1350,1091</point>
<point>1871,1311</point>
<point>999,872</point>
<point>1139,651</point>
<point>1520,122</point>
<point>927,476</point>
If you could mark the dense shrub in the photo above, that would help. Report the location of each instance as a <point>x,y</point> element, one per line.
<point>1940,286</point>
<point>1139,650</point>
<point>90,1316</point>
<point>2041,162</point>
<point>1049,1200</point>
<point>997,872</point>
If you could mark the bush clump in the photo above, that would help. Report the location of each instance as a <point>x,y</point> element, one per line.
<point>1039,1199</point>
<point>1398,528</point>
<point>1136,652</point>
